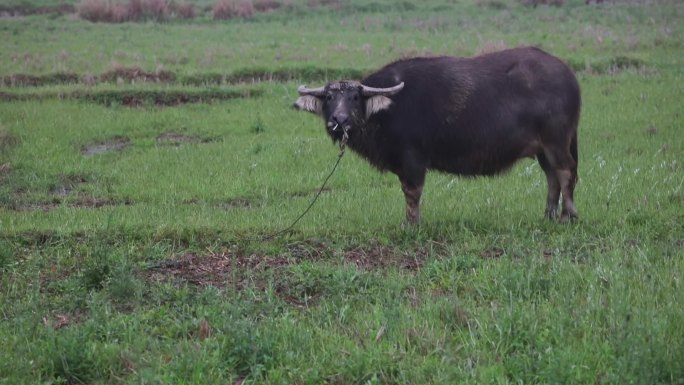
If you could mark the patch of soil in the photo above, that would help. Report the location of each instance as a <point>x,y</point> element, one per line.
<point>131,75</point>
<point>308,193</point>
<point>141,98</point>
<point>95,202</point>
<point>116,143</point>
<point>7,11</point>
<point>235,203</point>
<point>66,185</point>
<point>56,202</point>
<point>177,139</point>
<point>136,75</point>
<point>25,80</point>
<point>59,321</point>
<point>7,140</point>
<point>382,257</point>
<point>216,269</point>
<point>234,269</point>
<point>492,253</point>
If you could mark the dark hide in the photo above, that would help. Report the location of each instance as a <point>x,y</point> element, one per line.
<point>465,116</point>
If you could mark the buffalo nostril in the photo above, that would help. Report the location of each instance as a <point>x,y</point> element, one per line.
<point>341,119</point>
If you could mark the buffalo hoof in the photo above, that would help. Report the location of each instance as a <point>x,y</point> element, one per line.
<point>551,215</point>
<point>567,217</point>
<point>411,222</point>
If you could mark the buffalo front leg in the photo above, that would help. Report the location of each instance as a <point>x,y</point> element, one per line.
<point>412,193</point>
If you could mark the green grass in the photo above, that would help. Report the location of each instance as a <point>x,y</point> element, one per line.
<point>143,264</point>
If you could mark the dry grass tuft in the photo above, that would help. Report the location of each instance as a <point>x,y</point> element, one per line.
<point>120,12</point>
<point>94,10</point>
<point>267,5</point>
<point>185,11</point>
<point>156,9</point>
<point>231,9</point>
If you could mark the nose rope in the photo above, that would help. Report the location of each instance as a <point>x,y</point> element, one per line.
<point>343,146</point>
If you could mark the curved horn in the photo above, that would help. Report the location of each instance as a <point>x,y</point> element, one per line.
<point>320,91</point>
<point>371,91</point>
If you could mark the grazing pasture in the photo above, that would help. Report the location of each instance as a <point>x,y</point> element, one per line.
<point>142,163</point>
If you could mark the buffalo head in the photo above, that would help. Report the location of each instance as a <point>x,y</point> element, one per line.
<point>345,105</point>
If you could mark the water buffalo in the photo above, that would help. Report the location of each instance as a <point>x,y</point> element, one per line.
<point>465,116</point>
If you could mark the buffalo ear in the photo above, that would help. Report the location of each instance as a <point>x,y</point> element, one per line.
<point>376,104</point>
<point>309,103</point>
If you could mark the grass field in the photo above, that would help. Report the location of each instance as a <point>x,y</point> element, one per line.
<point>140,163</point>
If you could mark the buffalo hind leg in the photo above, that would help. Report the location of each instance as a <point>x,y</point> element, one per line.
<point>563,162</point>
<point>567,180</point>
<point>554,188</point>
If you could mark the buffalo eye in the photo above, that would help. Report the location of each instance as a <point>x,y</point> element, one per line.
<point>356,97</point>
<point>328,97</point>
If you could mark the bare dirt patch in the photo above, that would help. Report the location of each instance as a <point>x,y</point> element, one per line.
<point>136,98</point>
<point>66,185</point>
<point>235,203</point>
<point>177,139</point>
<point>174,138</point>
<point>492,253</point>
<point>383,257</point>
<point>116,143</point>
<point>82,202</point>
<point>309,193</point>
<point>26,80</point>
<point>58,321</point>
<point>136,75</point>
<point>97,202</point>
<point>7,140</point>
<point>232,203</point>
<point>162,98</point>
<point>216,269</point>
<point>5,168</point>
<point>25,9</point>
<point>229,268</point>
